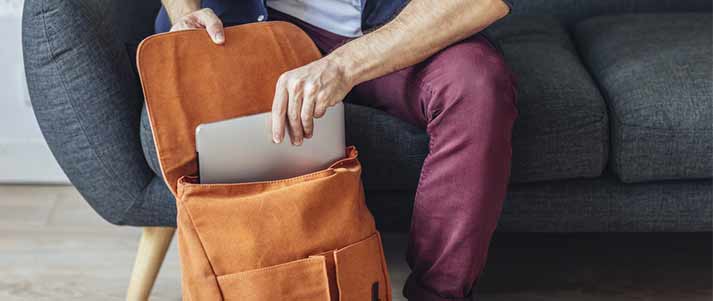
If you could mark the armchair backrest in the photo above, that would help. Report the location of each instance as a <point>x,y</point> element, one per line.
<point>570,11</point>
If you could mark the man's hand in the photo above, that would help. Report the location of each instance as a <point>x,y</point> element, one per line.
<point>305,93</point>
<point>187,14</point>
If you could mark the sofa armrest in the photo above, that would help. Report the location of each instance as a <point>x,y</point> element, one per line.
<point>88,100</point>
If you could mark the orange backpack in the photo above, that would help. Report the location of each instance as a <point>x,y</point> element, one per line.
<point>305,238</point>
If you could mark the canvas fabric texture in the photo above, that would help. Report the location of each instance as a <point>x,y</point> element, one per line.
<point>305,238</point>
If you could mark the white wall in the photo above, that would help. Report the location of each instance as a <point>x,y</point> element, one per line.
<point>24,155</point>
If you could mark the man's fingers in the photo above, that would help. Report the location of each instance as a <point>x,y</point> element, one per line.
<point>279,110</point>
<point>211,22</point>
<point>215,30</point>
<point>203,18</point>
<point>294,109</point>
<point>308,104</point>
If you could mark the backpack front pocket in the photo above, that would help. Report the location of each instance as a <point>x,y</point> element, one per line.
<point>304,279</point>
<point>361,271</point>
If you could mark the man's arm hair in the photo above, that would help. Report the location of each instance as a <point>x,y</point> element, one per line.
<point>423,28</point>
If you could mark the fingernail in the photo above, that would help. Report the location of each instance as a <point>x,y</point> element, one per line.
<point>219,38</point>
<point>275,139</point>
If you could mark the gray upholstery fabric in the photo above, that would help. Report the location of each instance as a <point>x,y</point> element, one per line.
<point>607,205</point>
<point>87,101</point>
<point>562,129</point>
<point>392,151</point>
<point>585,205</point>
<point>655,71</point>
<point>572,11</point>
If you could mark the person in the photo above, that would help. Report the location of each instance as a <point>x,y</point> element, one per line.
<point>426,62</point>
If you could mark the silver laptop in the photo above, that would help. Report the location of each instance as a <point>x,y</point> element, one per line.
<point>241,149</point>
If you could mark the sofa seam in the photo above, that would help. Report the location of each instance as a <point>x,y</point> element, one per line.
<point>617,118</point>
<point>625,175</point>
<point>600,121</point>
<point>82,127</point>
<point>613,158</point>
<point>650,128</point>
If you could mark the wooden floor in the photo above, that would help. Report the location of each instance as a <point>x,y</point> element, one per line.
<point>54,247</point>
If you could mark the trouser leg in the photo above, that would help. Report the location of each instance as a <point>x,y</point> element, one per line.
<point>465,99</point>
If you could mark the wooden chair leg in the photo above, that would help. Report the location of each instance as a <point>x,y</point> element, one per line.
<point>149,257</point>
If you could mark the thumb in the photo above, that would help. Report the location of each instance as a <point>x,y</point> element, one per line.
<point>212,24</point>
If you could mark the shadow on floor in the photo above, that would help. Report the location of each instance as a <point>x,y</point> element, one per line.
<point>587,266</point>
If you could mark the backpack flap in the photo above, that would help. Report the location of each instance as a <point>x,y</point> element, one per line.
<point>188,80</point>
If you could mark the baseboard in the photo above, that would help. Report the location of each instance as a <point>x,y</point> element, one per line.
<point>29,162</point>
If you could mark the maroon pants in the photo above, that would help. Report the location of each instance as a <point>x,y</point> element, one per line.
<point>464,97</point>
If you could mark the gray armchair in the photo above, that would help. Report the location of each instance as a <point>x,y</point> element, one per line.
<point>596,148</point>
<point>88,101</point>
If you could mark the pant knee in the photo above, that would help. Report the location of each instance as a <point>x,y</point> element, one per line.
<point>471,78</point>
<point>482,90</point>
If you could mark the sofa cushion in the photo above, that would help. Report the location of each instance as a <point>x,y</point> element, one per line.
<point>655,72</point>
<point>562,129</point>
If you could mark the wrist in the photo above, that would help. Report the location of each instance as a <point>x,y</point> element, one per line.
<point>178,9</point>
<point>348,66</point>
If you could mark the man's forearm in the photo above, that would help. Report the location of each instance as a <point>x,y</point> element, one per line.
<point>179,8</point>
<point>423,28</point>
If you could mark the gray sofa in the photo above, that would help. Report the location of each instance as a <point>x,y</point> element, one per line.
<point>615,130</point>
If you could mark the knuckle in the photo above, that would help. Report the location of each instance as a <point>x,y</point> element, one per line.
<point>283,79</point>
<point>294,83</point>
<point>310,89</point>
<point>214,21</point>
